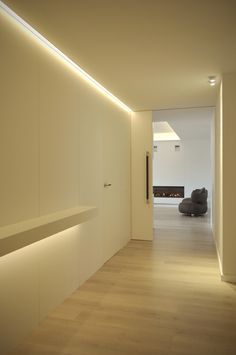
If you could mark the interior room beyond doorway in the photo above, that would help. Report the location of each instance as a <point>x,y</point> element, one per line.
<point>182,154</point>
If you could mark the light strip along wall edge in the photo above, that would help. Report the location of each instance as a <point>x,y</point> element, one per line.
<point>48,44</point>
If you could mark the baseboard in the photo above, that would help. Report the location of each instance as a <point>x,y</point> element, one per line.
<point>228,278</point>
<point>224,277</point>
<point>219,260</point>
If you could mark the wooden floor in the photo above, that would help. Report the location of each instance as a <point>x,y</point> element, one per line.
<point>163,298</point>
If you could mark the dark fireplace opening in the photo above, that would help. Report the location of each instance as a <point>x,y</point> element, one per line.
<point>168,191</point>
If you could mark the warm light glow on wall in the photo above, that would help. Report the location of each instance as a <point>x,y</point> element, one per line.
<point>53,240</point>
<point>57,52</point>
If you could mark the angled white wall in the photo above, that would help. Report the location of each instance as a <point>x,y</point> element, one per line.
<point>142,211</point>
<point>229,175</point>
<point>225,176</point>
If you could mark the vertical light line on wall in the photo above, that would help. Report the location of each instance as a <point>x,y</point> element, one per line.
<point>39,181</point>
<point>221,173</point>
<point>39,137</point>
<point>131,162</point>
<point>83,74</point>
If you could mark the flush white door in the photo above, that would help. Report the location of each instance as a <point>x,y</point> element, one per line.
<point>116,207</point>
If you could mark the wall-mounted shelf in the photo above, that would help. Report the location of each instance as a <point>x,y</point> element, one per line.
<point>19,235</point>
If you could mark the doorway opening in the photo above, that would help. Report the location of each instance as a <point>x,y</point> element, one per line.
<point>183,155</point>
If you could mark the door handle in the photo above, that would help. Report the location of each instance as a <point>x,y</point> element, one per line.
<point>107,185</point>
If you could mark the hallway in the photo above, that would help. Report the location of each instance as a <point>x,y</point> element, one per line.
<point>163,298</point>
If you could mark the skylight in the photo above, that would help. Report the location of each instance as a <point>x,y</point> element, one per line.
<point>162,131</point>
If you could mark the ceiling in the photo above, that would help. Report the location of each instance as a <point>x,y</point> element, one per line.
<point>189,124</point>
<point>151,54</point>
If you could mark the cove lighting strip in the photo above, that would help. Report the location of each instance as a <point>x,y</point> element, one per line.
<point>48,44</point>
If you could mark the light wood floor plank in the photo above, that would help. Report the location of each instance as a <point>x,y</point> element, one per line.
<point>162,297</point>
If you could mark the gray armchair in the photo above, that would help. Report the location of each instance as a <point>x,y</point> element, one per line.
<point>196,205</point>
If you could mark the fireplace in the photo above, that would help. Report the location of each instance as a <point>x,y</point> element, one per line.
<point>168,191</point>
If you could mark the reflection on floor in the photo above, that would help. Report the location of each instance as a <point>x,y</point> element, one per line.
<point>168,217</point>
<point>162,297</point>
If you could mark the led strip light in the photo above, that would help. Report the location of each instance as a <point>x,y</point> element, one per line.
<point>48,44</point>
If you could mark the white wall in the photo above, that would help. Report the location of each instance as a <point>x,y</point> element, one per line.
<point>60,140</point>
<point>228,129</point>
<point>189,167</point>
<point>142,211</point>
<point>213,167</point>
<point>224,223</point>
<point>217,221</point>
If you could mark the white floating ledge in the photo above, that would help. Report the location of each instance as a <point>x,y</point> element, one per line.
<point>19,235</point>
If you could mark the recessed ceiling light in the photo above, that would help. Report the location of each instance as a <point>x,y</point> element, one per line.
<point>212,80</point>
